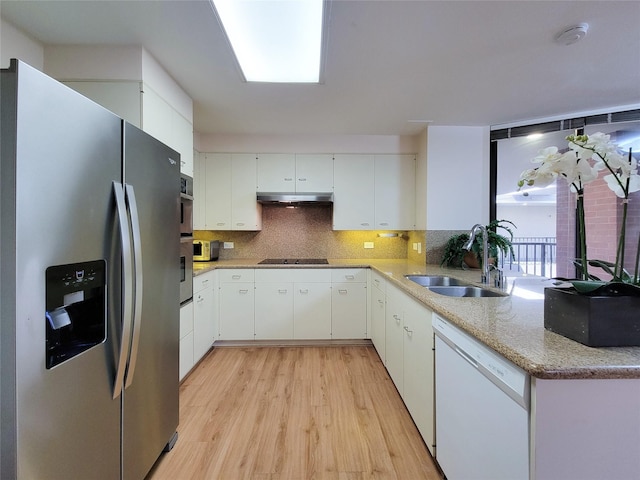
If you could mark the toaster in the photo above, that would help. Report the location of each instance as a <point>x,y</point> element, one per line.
<point>206,250</point>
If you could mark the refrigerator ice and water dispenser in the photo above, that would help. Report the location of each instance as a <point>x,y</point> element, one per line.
<point>75,316</point>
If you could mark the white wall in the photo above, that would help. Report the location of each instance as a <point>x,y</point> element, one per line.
<point>306,143</point>
<point>457,177</point>
<point>421,181</point>
<point>531,221</point>
<point>14,43</point>
<point>116,63</point>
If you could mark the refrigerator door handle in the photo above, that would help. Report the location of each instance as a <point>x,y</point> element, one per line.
<point>137,294</point>
<point>127,290</point>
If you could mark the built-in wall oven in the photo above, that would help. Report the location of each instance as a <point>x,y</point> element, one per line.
<point>186,238</point>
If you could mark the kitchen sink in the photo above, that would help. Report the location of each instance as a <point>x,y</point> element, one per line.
<point>434,280</point>
<point>465,291</point>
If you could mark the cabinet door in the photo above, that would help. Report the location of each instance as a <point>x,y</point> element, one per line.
<point>199,192</point>
<point>312,311</point>
<point>246,212</point>
<point>237,311</point>
<point>276,172</point>
<point>378,308</point>
<point>395,177</point>
<point>314,173</point>
<point>418,380</point>
<point>274,311</point>
<point>348,310</point>
<point>217,210</point>
<point>203,322</point>
<point>353,192</point>
<point>186,339</point>
<point>394,338</point>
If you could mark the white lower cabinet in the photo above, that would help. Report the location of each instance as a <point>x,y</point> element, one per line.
<point>348,303</point>
<point>205,327</point>
<point>378,310</point>
<point>409,358</point>
<point>237,299</point>
<point>186,339</point>
<point>312,311</point>
<point>274,311</point>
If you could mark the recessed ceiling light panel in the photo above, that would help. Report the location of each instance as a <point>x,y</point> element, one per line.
<point>275,40</point>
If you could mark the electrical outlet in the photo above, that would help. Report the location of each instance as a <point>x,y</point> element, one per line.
<point>415,246</point>
<point>368,244</point>
<point>228,245</point>
<point>419,247</point>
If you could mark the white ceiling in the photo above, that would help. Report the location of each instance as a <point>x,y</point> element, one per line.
<point>388,63</point>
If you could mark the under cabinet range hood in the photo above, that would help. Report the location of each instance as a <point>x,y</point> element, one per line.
<point>276,198</point>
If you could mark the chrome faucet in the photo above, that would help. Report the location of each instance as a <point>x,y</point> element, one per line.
<point>485,249</point>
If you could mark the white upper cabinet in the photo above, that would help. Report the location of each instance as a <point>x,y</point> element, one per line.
<point>217,198</point>
<point>314,173</point>
<point>228,199</point>
<point>395,191</point>
<point>291,173</point>
<point>276,172</point>
<point>138,104</point>
<point>246,212</point>
<point>353,192</point>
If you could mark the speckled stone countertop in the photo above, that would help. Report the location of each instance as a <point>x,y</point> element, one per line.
<point>511,325</point>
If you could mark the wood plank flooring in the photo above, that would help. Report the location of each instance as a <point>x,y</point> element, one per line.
<point>294,413</point>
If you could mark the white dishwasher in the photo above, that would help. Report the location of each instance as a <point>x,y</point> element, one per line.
<point>482,409</point>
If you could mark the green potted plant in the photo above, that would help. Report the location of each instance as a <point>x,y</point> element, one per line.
<point>455,255</point>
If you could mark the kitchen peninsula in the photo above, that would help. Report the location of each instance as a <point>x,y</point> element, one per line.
<point>583,403</point>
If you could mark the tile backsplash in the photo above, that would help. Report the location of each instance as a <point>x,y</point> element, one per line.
<point>306,232</point>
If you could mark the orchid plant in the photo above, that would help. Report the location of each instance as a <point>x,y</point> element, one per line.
<point>579,165</point>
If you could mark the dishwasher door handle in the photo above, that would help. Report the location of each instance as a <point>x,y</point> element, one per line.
<point>466,356</point>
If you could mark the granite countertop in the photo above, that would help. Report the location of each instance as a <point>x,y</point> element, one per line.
<point>510,325</point>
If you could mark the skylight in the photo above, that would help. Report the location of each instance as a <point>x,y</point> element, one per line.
<point>276,41</point>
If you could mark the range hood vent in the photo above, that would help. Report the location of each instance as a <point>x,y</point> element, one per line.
<point>315,198</point>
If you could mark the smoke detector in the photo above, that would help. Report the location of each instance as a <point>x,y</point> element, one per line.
<point>573,34</point>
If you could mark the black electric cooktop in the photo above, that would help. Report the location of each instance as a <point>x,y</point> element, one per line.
<point>294,261</point>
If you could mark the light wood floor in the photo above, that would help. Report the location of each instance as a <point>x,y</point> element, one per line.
<point>294,413</point>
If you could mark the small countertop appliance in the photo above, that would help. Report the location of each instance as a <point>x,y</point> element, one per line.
<point>206,250</point>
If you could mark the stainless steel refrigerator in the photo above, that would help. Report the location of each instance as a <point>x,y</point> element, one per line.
<point>89,272</point>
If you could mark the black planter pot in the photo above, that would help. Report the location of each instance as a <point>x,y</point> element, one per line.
<point>595,321</point>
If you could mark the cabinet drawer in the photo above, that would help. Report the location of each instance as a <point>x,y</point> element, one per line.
<point>349,275</point>
<point>236,275</point>
<point>378,281</point>
<point>186,319</point>
<point>202,282</point>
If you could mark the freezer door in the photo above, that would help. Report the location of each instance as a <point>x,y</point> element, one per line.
<point>150,415</point>
<point>60,152</point>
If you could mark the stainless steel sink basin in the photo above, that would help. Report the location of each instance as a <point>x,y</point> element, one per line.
<point>434,280</point>
<point>465,291</point>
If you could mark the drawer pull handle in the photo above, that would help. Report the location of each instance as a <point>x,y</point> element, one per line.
<point>409,332</point>
<point>349,277</point>
<point>397,318</point>
<point>342,291</point>
<point>304,292</point>
<point>365,224</point>
<point>243,291</point>
<point>220,224</point>
<point>236,277</point>
<point>380,302</point>
<point>282,290</point>
<point>302,179</point>
<point>240,224</point>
